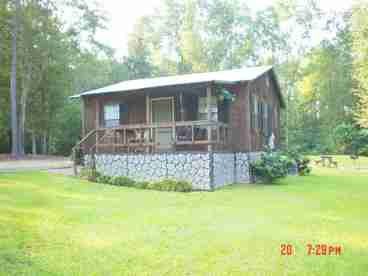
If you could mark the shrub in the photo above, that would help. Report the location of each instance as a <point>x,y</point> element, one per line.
<point>122,181</point>
<point>183,186</point>
<point>105,179</point>
<point>363,150</point>
<point>142,184</point>
<point>271,166</point>
<point>165,185</point>
<point>85,172</point>
<point>89,174</point>
<point>303,166</point>
<point>302,162</point>
<point>151,186</point>
<point>351,139</point>
<point>170,185</point>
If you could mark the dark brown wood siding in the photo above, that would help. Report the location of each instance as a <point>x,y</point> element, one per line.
<point>136,109</point>
<point>238,114</point>
<point>242,136</point>
<point>265,91</point>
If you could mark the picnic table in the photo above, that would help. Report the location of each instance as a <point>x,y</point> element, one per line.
<point>329,160</point>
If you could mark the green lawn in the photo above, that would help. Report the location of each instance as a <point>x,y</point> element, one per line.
<point>55,225</point>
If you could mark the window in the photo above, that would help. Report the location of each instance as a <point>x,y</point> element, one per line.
<point>202,108</point>
<point>269,119</point>
<point>265,119</point>
<point>254,112</point>
<point>113,113</point>
<point>260,115</point>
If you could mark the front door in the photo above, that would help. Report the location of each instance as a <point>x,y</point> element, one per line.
<point>162,112</point>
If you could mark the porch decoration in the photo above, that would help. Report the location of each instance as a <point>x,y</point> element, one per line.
<point>226,95</point>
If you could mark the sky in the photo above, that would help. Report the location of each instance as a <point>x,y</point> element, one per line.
<point>123,15</point>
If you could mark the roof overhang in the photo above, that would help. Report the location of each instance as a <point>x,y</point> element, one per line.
<point>229,77</point>
<point>224,77</point>
<point>278,89</point>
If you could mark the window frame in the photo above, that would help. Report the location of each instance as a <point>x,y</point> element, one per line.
<point>112,118</point>
<point>214,108</point>
<point>254,111</point>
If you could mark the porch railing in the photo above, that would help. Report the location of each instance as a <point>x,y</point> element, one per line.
<point>146,137</point>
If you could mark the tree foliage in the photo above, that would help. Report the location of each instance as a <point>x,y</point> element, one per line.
<point>53,61</point>
<point>360,49</point>
<point>320,57</point>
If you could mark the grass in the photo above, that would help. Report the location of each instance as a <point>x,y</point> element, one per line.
<point>55,225</point>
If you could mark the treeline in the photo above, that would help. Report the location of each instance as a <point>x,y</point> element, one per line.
<point>57,55</point>
<point>321,61</point>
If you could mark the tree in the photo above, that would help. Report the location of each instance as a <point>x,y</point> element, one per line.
<point>5,63</point>
<point>45,54</point>
<point>138,62</point>
<point>13,85</point>
<point>360,49</point>
<point>325,92</point>
<point>56,57</point>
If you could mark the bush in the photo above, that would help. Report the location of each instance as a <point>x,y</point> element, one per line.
<point>89,174</point>
<point>303,166</point>
<point>351,139</point>
<point>105,179</point>
<point>183,186</point>
<point>163,185</point>
<point>151,186</point>
<point>271,166</point>
<point>142,184</point>
<point>122,181</point>
<point>363,151</point>
<point>302,162</point>
<point>170,185</point>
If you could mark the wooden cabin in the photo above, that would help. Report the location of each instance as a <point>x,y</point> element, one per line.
<point>232,111</point>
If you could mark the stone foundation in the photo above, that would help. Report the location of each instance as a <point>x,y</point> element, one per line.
<point>206,171</point>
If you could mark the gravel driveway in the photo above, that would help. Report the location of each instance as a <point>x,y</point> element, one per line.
<point>51,164</point>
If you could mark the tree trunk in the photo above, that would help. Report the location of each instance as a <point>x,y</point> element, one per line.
<point>34,143</point>
<point>26,86</point>
<point>13,85</point>
<point>44,143</point>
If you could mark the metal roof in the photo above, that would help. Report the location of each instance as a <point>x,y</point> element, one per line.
<point>229,76</point>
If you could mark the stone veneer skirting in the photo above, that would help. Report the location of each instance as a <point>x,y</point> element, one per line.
<point>205,170</point>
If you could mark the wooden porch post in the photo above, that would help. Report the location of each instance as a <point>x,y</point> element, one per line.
<point>83,116</point>
<point>148,118</point>
<point>209,128</point>
<point>148,111</point>
<point>97,122</point>
<point>181,107</point>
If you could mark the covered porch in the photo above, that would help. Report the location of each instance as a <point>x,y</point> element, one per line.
<point>174,118</point>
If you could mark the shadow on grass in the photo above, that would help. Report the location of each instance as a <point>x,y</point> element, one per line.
<point>287,181</point>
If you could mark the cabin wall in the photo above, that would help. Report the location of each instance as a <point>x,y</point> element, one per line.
<point>136,109</point>
<point>264,91</point>
<point>239,114</point>
<point>242,136</point>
